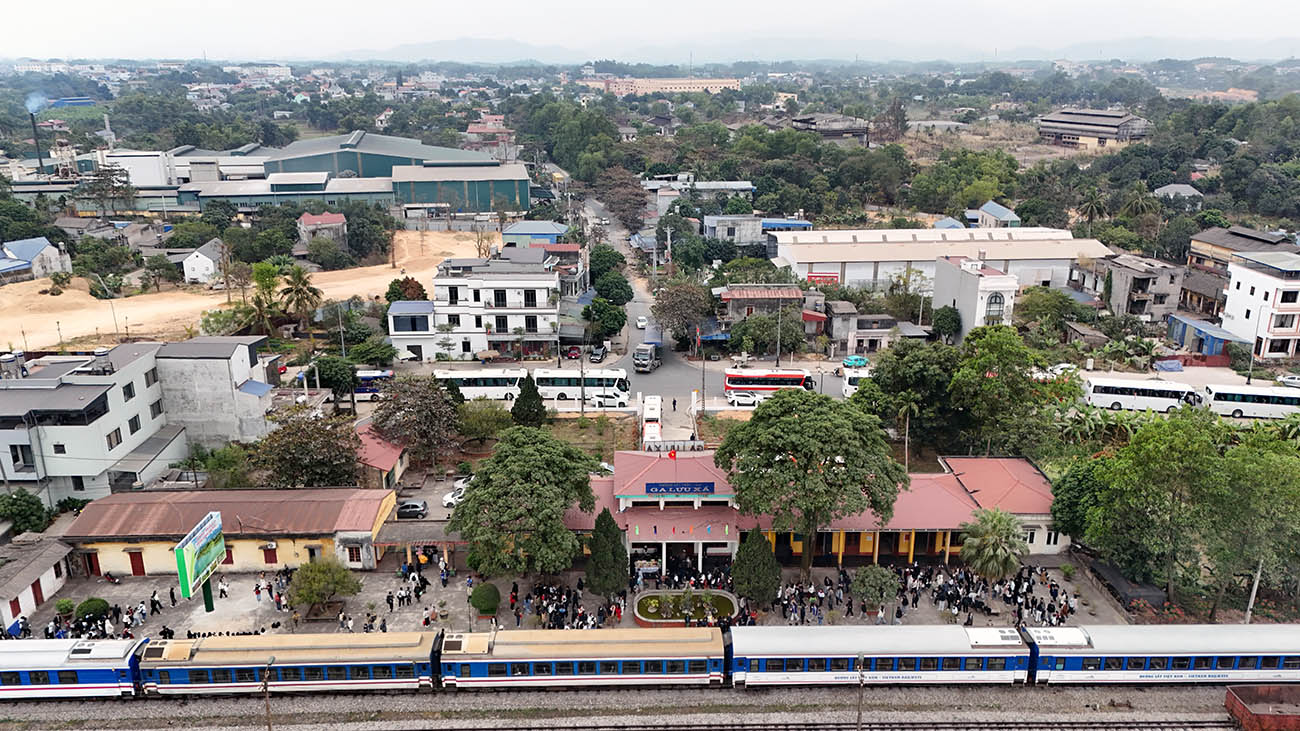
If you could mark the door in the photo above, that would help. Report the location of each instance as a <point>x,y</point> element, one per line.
<point>137,563</point>
<point>92,564</point>
<point>313,552</point>
<point>36,592</point>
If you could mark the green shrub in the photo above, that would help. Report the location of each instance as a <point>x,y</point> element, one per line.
<point>1067,570</point>
<point>71,503</point>
<point>64,606</point>
<point>464,468</point>
<point>92,607</point>
<point>486,598</point>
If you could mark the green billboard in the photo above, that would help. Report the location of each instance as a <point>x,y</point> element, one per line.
<point>199,553</point>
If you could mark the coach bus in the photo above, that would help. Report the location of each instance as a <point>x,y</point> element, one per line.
<point>491,383</point>
<point>852,377</point>
<point>1136,395</point>
<point>564,384</point>
<point>763,383</point>
<point>1258,402</point>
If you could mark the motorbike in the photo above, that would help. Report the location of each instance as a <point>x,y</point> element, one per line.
<point>110,578</point>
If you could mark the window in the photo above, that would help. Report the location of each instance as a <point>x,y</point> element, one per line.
<point>566,668</point>
<point>1279,345</point>
<point>1284,321</point>
<point>816,664</point>
<point>155,409</point>
<point>906,663</point>
<point>530,323</point>
<point>128,392</point>
<point>839,664</point>
<point>1182,663</point>
<point>1247,662</point>
<point>1052,538</point>
<point>994,308</point>
<point>197,677</point>
<point>695,667</point>
<point>608,667</point>
<point>676,667</point>
<point>502,324</point>
<point>134,423</point>
<point>1270,663</point>
<point>1266,295</point>
<point>453,295</point>
<point>291,673</point>
<point>269,556</point>
<point>498,298</point>
<point>476,294</point>
<point>246,675</point>
<point>354,554</point>
<point>453,320</point>
<point>336,672</point>
<point>1114,663</point>
<point>404,671</point>
<point>60,449</point>
<point>1238,285</point>
<point>950,663</point>
<point>654,667</point>
<point>1202,663</point>
<point>1291,663</point>
<point>221,675</point>
<point>58,570</point>
<point>114,438</point>
<point>150,377</point>
<point>1247,314</point>
<point>586,668</point>
<point>929,663</point>
<point>78,483</point>
<point>972,663</point>
<point>541,668</point>
<point>530,298</point>
<point>1289,296</point>
<point>1137,663</point>
<point>1159,663</point>
<point>884,664</point>
<point>1252,291</point>
<point>1029,537</point>
<point>10,678</point>
<point>518,668</point>
<point>313,673</point>
<point>1224,663</point>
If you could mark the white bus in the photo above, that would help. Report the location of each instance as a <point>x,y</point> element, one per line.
<point>554,383</point>
<point>652,410</point>
<point>1136,395</point>
<point>852,376</point>
<point>493,383</point>
<point>1261,402</point>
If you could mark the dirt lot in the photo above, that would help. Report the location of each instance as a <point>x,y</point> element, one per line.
<point>32,321</point>
<point>1018,139</point>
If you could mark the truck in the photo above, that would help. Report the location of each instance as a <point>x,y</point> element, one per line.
<point>646,358</point>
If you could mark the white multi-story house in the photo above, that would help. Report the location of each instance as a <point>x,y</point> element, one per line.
<point>981,294</point>
<point>508,304</point>
<point>1263,305</point>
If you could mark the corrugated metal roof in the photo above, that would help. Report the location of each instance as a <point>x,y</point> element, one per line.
<point>1240,238</point>
<point>423,174</point>
<point>749,293</point>
<point>26,249</point>
<point>536,227</point>
<point>255,388</point>
<point>369,142</point>
<point>929,250</point>
<point>411,307</point>
<point>999,211</point>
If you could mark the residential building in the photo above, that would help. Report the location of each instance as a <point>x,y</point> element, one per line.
<point>219,389</point>
<point>1146,288</point>
<point>1208,256</point>
<point>873,258</point>
<point>382,462</point>
<point>1090,129</point>
<point>1199,336</point>
<point>742,300</point>
<point>624,86</point>
<point>32,570</point>
<point>85,425</point>
<point>78,227</point>
<point>1203,293</point>
<point>27,259</point>
<point>834,127</point>
<point>981,294</point>
<point>332,226</point>
<point>996,215</point>
<point>748,229</point>
<point>133,533</point>
<point>1174,191</point>
<point>530,233</point>
<point>202,264</point>
<point>1263,304</point>
<point>508,304</point>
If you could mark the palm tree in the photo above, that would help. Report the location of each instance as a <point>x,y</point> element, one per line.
<point>993,544</point>
<point>1092,207</point>
<point>909,405</point>
<point>261,312</point>
<point>1140,202</point>
<point>1289,428</point>
<point>300,297</point>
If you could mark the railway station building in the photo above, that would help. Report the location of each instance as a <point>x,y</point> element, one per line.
<point>684,507</point>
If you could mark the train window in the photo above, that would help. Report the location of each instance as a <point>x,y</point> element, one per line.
<point>336,672</point>
<point>654,667</point>
<point>67,677</point>
<point>564,668</point>
<point>586,668</point>
<point>541,668</point>
<point>884,664</point>
<point>1182,663</point>
<point>519,668</point>
<point>1291,663</point>
<point>1137,663</point>
<point>41,677</point>
<point>382,672</point>
<point>697,667</point>
<point>221,675</point>
<point>164,677</point>
<point>839,664</point>
<point>997,663</point>
<point>496,669</point>
<point>816,664</point>
<point>608,667</point>
<point>360,672</point>
<point>1159,663</point>
<point>929,663</point>
<point>404,671</point>
<point>465,671</point>
<point>1114,663</point>
<point>907,663</point>
<point>197,677</point>
<point>10,678</point>
<point>950,663</point>
<point>1270,662</point>
<point>245,675</point>
<point>631,667</point>
<point>1059,664</point>
<point>1247,662</point>
<point>1092,663</point>
<point>1224,663</point>
<point>676,667</point>
<point>972,663</point>
<point>314,673</point>
<point>1202,663</point>
<point>291,674</point>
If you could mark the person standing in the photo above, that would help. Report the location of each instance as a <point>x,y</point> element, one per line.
<point>171,592</point>
<point>257,591</point>
<point>389,599</point>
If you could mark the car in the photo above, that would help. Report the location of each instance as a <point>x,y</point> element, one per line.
<point>642,322</point>
<point>608,401</point>
<point>855,361</point>
<point>742,398</point>
<point>463,482</point>
<point>412,509</point>
<point>1289,379</point>
<point>1061,369</point>
<point>603,221</point>
<point>598,353</point>
<point>452,498</point>
<point>573,353</point>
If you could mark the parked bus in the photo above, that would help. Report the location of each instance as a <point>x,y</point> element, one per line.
<point>492,383</point>
<point>1260,402</point>
<point>652,410</point>
<point>554,383</point>
<point>852,376</point>
<point>1134,395</point>
<point>764,383</point>
<point>369,386</point>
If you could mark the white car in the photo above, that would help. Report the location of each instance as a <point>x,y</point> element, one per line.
<point>742,398</point>
<point>641,322</point>
<point>1289,379</point>
<point>451,499</point>
<point>607,401</point>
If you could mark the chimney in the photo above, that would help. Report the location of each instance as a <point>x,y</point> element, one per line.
<point>36,137</point>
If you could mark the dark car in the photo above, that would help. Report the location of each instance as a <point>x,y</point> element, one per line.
<point>412,509</point>
<point>573,353</point>
<point>598,353</point>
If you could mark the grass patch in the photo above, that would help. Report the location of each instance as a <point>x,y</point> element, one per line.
<point>600,436</point>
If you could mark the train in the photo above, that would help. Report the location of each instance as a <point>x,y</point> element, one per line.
<point>711,657</point>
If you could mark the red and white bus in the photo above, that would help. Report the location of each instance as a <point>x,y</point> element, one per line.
<point>764,383</point>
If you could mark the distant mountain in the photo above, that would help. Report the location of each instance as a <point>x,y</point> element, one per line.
<point>470,50</point>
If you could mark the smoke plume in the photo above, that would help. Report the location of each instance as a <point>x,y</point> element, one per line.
<point>36,101</point>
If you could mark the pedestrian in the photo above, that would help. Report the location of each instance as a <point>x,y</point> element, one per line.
<point>296,617</point>
<point>425,618</point>
<point>519,617</point>
<point>383,624</point>
<point>389,599</point>
<point>223,588</point>
<point>171,592</point>
<point>342,620</point>
<point>349,624</point>
<point>674,404</point>
<point>257,591</point>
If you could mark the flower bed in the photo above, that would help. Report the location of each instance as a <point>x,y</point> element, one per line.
<point>670,608</point>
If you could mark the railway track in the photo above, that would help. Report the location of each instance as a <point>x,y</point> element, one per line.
<point>947,725</point>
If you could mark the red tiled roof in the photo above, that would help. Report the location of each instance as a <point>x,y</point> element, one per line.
<point>632,470</point>
<point>556,248</point>
<point>323,219</point>
<point>603,489</point>
<point>376,451</point>
<point>172,513</point>
<point>1011,483</point>
<point>762,293</point>
<point>488,129</point>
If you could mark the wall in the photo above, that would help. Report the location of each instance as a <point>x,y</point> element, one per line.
<point>198,268</point>
<point>159,559</point>
<point>50,585</point>
<point>202,395</point>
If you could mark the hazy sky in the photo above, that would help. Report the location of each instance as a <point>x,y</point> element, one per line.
<point>270,29</point>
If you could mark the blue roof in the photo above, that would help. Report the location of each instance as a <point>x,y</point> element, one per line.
<point>999,211</point>
<point>26,249</point>
<point>711,330</point>
<point>13,265</point>
<point>1206,328</point>
<point>255,388</point>
<point>587,297</point>
<point>411,307</point>
<point>547,228</point>
<point>949,222</point>
<point>784,223</point>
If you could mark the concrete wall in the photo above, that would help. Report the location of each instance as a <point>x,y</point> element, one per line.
<point>198,268</point>
<point>202,395</point>
<point>247,553</point>
<point>50,585</point>
<point>50,260</point>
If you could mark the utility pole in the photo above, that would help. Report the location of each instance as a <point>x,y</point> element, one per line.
<point>778,334</point>
<point>266,690</point>
<point>862,684</point>
<point>117,333</point>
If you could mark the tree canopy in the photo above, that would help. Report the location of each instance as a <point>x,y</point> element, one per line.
<point>305,450</point>
<point>607,569</point>
<point>417,413</point>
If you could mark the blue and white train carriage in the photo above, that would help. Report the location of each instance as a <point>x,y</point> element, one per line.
<point>1191,653</point>
<point>572,658</point>
<point>68,668</point>
<point>889,655</point>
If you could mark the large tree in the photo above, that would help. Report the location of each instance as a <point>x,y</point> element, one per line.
<point>337,374</point>
<point>305,450</point>
<point>606,318</point>
<point>993,544</point>
<point>755,573</point>
<point>319,581</point>
<point>604,259</point>
<point>924,369</point>
<point>681,305</point>
<point>513,514</point>
<point>404,289</point>
<point>614,287</point>
<point>874,585</point>
<point>417,413</point>
<point>607,569</point>
<point>481,419</point>
<point>807,459</point>
<point>1075,493</point>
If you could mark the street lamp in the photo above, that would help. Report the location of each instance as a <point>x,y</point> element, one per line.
<point>266,689</point>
